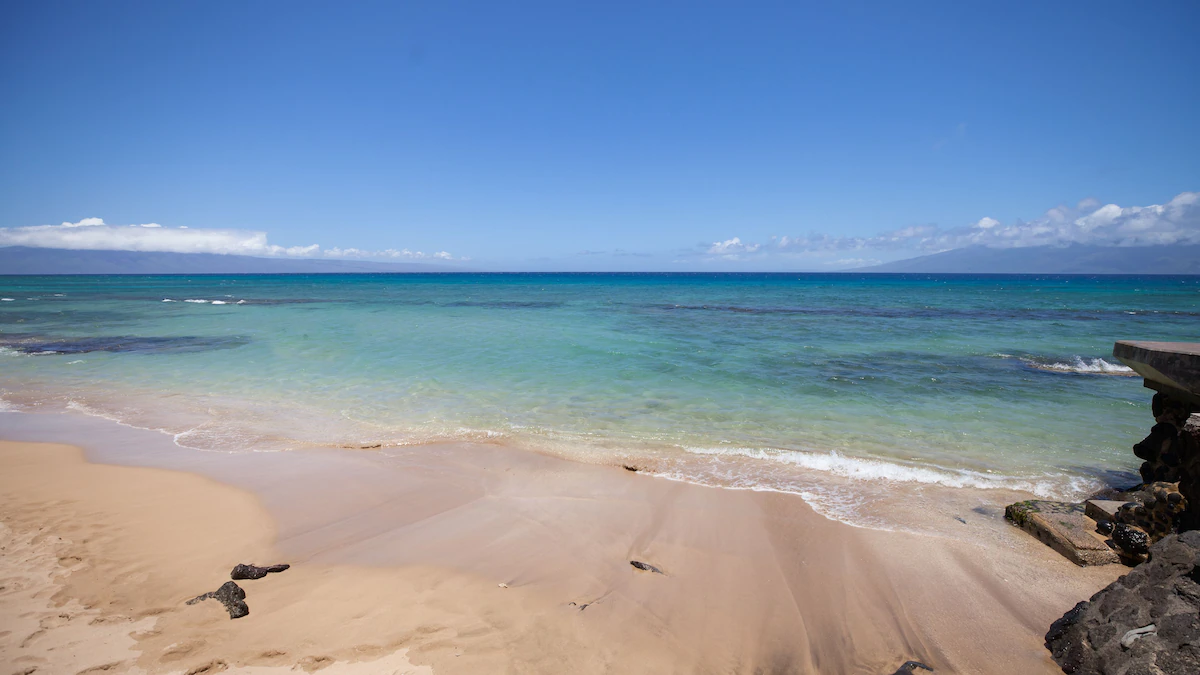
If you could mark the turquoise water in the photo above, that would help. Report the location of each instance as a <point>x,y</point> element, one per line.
<point>741,380</point>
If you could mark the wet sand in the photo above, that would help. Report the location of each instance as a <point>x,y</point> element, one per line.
<point>476,558</point>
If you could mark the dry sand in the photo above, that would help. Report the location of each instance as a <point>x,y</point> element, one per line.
<point>398,564</point>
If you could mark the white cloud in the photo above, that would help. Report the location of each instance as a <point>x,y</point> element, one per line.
<point>1089,223</point>
<point>732,248</point>
<point>94,234</point>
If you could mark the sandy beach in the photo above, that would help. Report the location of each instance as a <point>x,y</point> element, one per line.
<point>477,558</point>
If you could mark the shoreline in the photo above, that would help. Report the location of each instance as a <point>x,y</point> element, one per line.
<point>754,581</point>
<point>859,490</point>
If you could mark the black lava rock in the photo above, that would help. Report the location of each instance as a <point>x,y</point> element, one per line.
<point>910,666</point>
<point>1148,621</point>
<point>647,567</point>
<point>229,594</point>
<point>1130,539</point>
<point>255,572</point>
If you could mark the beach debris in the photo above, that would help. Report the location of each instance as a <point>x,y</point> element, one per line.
<point>646,567</point>
<point>629,467</point>
<point>254,571</point>
<point>229,594</point>
<point>502,585</point>
<point>1161,595</point>
<point>1130,637</point>
<point>959,519</point>
<point>910,666</point>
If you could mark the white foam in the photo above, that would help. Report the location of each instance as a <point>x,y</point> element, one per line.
<point>1092,366</point>
<point>200,302</point>
<point>863,469</point>
<point>219,302</point>
<point>168,300</point>
<point>241,302</point>
<point>86,409</point>
<point>7,300</point>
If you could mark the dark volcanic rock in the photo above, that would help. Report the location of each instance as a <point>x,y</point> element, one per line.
<point>1148,621</point>
<point>254,571</point>
<point>647,567</point>
<point>910,666</point>
<point>229,594</point>
<point>1130,539</point>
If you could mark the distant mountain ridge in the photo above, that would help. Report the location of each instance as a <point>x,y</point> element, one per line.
<point>1076,259</point>
<point>28,260</point>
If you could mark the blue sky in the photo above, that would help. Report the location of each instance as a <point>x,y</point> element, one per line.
<point>614,136</point>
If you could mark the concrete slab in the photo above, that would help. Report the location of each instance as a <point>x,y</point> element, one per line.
<point>1065,528</point>
<point>1101,509</point>
<point>1171,367</point>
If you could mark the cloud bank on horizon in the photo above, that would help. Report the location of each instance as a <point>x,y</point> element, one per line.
<point>95,235</point>
<point>1089,223</point>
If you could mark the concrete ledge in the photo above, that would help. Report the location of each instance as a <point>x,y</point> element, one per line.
<point>1102,509</point>
<point>1063,527</point>
<point>1170,367</point>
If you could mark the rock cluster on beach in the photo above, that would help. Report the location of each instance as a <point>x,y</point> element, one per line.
<point>232,596</point>
<point>1122,525</point>
<point>1148,621</point>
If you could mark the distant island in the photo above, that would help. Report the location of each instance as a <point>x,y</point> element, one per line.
<point>972,260</point>
<point>1076,259</point>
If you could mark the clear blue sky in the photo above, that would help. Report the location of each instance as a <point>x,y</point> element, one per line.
<point>521,134</point>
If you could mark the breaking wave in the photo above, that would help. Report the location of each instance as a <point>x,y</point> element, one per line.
<point>863,469</point>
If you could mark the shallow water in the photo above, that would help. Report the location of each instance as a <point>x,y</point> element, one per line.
<point>807,383</point>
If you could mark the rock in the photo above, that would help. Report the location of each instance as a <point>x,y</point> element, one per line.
<point>255,572</point>
<point>1161,451</point>
<point>1148,621</point>
<point>910,666</point>
<point>629,468</point>
<point>1189,472</point>
<point>1130,539</point>
<point>229,594</point>
<point>1063,527</point>
<point>647,567</point>
<point>1104,527</point>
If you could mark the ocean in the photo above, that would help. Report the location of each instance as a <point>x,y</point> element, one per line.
<point>833,386</point>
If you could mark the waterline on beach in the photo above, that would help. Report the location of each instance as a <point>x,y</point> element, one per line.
<point>833,386</point>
